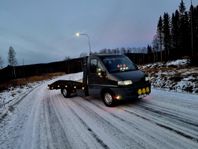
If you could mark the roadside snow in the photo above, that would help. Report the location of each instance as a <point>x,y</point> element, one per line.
<point>13,95</point>
<point>179,62</point>
<point>173,75</point>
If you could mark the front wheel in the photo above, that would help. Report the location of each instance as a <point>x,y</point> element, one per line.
<point>108,99</point>
<point>65,92</point>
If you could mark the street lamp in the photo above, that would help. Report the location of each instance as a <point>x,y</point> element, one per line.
<point>89,43</point>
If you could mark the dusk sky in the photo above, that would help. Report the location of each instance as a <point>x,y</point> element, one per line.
<point>43,31</point>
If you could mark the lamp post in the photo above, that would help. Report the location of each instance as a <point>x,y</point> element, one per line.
<point>89,43</point>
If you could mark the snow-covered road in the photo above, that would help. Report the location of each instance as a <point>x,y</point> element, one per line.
<point>46,120</point>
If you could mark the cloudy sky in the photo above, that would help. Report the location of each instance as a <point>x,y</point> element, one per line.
<point>43,31</point>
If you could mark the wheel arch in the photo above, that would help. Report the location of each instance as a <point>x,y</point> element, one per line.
<point>104,90</point>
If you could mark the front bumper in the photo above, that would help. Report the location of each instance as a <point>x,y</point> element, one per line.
<point>134,91</point>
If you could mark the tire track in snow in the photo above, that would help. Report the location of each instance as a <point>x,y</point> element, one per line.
<point>183,124</point>
<point>70,104</point>
<point>164,126</point>
<point>161,114</point>
<point>57,133</point>
<point>166,114</point>
<point>65,123</point>
<point>91,131</point>
<point>43,129</point>
<point>120,131</point>
<point>30,132</point>
<point>187,136</point>
<point>74,125</point>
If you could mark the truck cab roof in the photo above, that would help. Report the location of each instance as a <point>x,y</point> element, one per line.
<point>105,55</point>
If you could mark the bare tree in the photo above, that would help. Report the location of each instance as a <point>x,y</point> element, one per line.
<point>12,61</point>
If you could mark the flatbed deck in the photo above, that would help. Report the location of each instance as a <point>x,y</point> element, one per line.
<point>66,84</point>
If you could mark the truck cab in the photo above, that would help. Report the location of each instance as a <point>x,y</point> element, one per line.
<point>114,78</point>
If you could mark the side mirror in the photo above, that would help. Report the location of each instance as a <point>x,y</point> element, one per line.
<point>136,67</point>
<point>101,73</point>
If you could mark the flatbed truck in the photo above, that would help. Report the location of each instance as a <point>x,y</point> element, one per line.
<point>111,77</point>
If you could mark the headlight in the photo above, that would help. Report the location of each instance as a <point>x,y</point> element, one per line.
<point>126,82</point>
<point>147,78</point>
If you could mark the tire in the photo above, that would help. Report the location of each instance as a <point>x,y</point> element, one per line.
<point>65,92</point>
<point>108,99</point>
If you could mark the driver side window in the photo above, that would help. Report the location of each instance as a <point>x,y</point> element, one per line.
<point>95,65</point>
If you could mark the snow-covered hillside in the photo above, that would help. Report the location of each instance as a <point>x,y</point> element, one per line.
<point>174,75</point>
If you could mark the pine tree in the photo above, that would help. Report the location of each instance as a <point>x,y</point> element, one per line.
<point>175,33</point>
<point>178,36</point>
<point>193,19</point>
<point>182,28</point>
<point>182,7</point>
<point>187,35</point>
<point>166,35</point>
<point>160,35</point>
<point>12,61</point>
<point>195,30</point>
<point>191,12</point>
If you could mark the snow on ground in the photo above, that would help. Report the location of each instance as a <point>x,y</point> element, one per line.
<point>13,95</point>
<point>178,63</point>
<point>46,120</point>
<point>174,75</point>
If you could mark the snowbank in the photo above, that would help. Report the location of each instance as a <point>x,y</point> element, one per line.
<point>178,63</point>
<point>173,75</point>
<point>13,95</point>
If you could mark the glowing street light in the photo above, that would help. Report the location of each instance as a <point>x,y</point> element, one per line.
<point>89,43</point>
<point>77,34</point>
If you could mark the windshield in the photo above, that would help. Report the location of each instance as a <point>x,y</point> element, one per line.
<point>118,64</point>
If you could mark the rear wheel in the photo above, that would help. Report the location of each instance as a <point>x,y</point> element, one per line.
<point>108,99</point>
<point>65,92</point>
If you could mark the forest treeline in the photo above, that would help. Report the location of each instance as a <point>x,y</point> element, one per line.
<point>176,37</point>
<point>177,34</point>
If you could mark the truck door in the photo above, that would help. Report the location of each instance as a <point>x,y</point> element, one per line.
<point>95,78</point>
